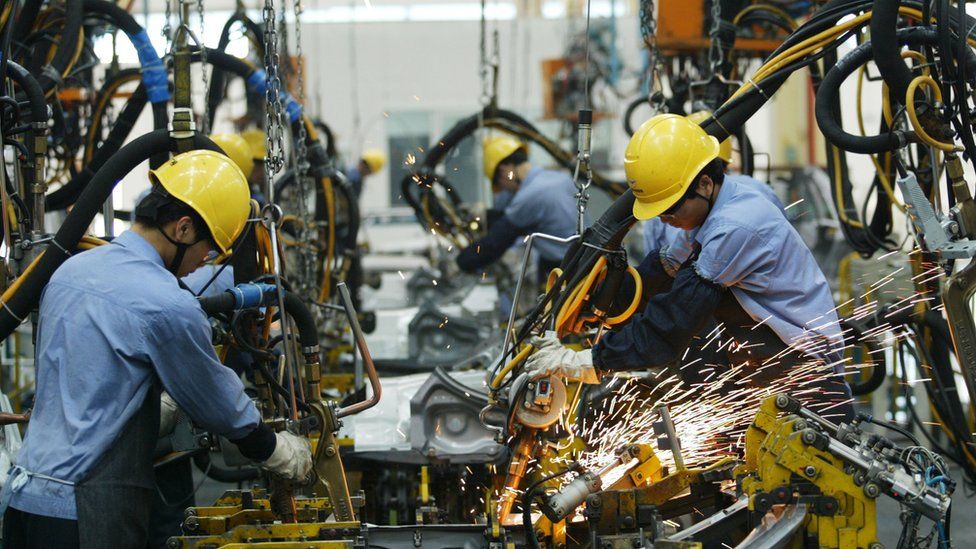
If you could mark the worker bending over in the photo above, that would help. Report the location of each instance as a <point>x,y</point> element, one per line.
<point>371,162</point>
<point>532,200</point>
<point>748,269</point>
<point>115,329</point>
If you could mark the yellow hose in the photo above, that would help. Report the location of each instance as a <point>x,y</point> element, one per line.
<point>519,358</point>
<point>930,83</point>
<point>325,289</point>
<point>638,292</point>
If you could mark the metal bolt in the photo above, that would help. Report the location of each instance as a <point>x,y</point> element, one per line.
<point>872,490</point>
<point>173,543</point>
<point>782,401</point>
<point>799,425</point>
<point>876,545</point>
<point>330,451</point>
<point>810,470</point>
<point>808,436</point>
<point>191,523</point>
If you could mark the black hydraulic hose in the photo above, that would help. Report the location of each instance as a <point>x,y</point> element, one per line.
<point>827,106</point>
<point>68,193</point>
<point>50,75</point>
<point>233,476</point>
<point>104,95</point>
<point>874,351</point>
<point>25,20</point>
<point>38,110</point>
<point>308,336</point>
<point>330,148</point>
<point>352,213</point>
<point>26,298</point>
<point>217,77</point>
<point>886,51</point>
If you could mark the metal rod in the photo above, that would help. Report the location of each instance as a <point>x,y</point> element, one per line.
<point>518,285</point>
<point>679,460</point>
<point>368,365</point>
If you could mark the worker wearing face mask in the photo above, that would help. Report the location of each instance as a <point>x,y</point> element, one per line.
<point>674,244</point>
<point>529,200</point>
<point>748,269</point>
<point>115,328</point>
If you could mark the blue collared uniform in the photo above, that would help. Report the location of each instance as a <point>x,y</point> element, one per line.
<point>114,323</point>
<point>675,245</point>
<point>748,247</point>
<point>545,203</point>
<point>355,178</point>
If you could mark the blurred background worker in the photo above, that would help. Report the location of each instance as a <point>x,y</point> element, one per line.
<point>748,269</point>
<point>115,330</point>
<point>371,162</point>
<point>530,200</point>
<point>673,244</point>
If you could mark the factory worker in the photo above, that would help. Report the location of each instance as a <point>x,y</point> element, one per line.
<point>748,269</point>
<point>541,201</point>
<point>675,244</point>
<point>115,329</point>
<point>371,162</point>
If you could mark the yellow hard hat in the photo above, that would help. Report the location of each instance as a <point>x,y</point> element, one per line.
<point>257,141</point>
<point>375,159</point>
<point>498,148</point>
<point>662,159</point>
<point>725,147</point>
<point>237,148</point>
<point>214,187</point>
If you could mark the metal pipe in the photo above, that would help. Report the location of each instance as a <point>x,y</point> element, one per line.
<point>679,461</point>
<point>374,378</point>
<point>518,285</point>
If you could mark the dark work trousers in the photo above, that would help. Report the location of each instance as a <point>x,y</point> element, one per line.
<point>29,531</point>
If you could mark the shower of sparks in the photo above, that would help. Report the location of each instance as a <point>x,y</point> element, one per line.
<point>711,416</point>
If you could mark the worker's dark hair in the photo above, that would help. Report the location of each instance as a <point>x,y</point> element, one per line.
<point>516,158</point>
<point>159,208</point>
<point>715,170</point>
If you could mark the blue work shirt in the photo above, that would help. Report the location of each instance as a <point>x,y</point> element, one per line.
<point>113,320</point>
<point>355,178</point>
<point>545,203</point>
<point>674,244</point>
<point>749,246</point>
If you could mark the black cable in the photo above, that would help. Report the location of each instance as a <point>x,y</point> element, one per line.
<point>870,419</point>
<point>529,495</point>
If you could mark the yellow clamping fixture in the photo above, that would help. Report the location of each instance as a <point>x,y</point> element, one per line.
<point>776,451</point>
<point>571,317</point>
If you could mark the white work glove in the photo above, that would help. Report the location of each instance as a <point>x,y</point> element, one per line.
<point>292,457</point>
<point>552,358</point>
<point>169,414</point>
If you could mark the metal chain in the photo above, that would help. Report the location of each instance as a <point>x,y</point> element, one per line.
<point>205,119</point>
<point>274,159</point>
<point>302,163</point>
<point>167,31</point>
<point>301,149</point>
<point>648,24</point>
<point>715,44</point>
<point>485,85</point>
